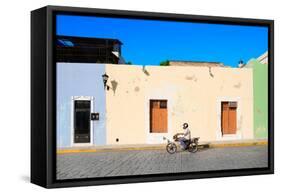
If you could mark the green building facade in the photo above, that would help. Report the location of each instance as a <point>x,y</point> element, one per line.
<point>260,85</point>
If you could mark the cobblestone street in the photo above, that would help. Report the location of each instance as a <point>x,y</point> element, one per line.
<point>102,164</point>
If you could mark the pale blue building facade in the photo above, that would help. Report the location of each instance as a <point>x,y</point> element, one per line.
<point>78,82</point>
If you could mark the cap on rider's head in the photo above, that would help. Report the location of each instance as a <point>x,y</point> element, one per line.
<point>185,125</point>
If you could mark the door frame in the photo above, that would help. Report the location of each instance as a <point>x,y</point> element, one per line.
<point>238,135</point>
<point>150,114</point>
<point>91,99</point>
<point>157,138</point>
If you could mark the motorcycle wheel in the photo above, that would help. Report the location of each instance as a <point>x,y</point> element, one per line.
<point>171,148</point>
<point>193,147</point>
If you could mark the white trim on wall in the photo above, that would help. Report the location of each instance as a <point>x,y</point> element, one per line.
<point>238,135</point>
<point>73,98</point>
<point>157,138</point>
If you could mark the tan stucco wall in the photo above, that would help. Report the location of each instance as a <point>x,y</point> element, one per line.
<point>194,95</point>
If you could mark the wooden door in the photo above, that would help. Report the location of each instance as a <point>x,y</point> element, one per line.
<point>229,117</point>
<point>158,116</point>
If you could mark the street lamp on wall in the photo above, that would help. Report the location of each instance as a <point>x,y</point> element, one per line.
<point>105,79</point>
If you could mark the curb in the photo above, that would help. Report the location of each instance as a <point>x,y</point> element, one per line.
<point>160,147</point>
<point>67,151</point>
<point>242,144</point>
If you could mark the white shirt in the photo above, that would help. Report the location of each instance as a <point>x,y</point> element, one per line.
<point>186,133</point>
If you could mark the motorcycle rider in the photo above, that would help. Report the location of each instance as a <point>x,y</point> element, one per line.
<point>184,136</point>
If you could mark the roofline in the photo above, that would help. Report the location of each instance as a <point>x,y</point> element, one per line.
<point>82,37</point>
<point>263,56</point>
<point>185,61</point>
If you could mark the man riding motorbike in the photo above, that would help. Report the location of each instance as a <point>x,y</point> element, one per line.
<point>185,141</point>
<point>185,136</point>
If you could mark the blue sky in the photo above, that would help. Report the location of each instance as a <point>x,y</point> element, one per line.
<point>148,42</point>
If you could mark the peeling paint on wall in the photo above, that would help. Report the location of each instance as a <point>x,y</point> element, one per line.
<point>145,71</point>
<point>190,78</point>
<point>137,89</point>
<point>238,85</point>
<point>114,85</point>
<point>210,72</point>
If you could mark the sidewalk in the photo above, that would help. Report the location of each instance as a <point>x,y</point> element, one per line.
<point>131,147</point>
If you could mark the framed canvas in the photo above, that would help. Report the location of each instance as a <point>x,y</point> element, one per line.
<point>125,96</point>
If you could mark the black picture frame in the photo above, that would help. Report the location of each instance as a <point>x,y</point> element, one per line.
<point>43,96</point>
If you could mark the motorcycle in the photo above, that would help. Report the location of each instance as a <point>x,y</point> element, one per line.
<point>191,145</point>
